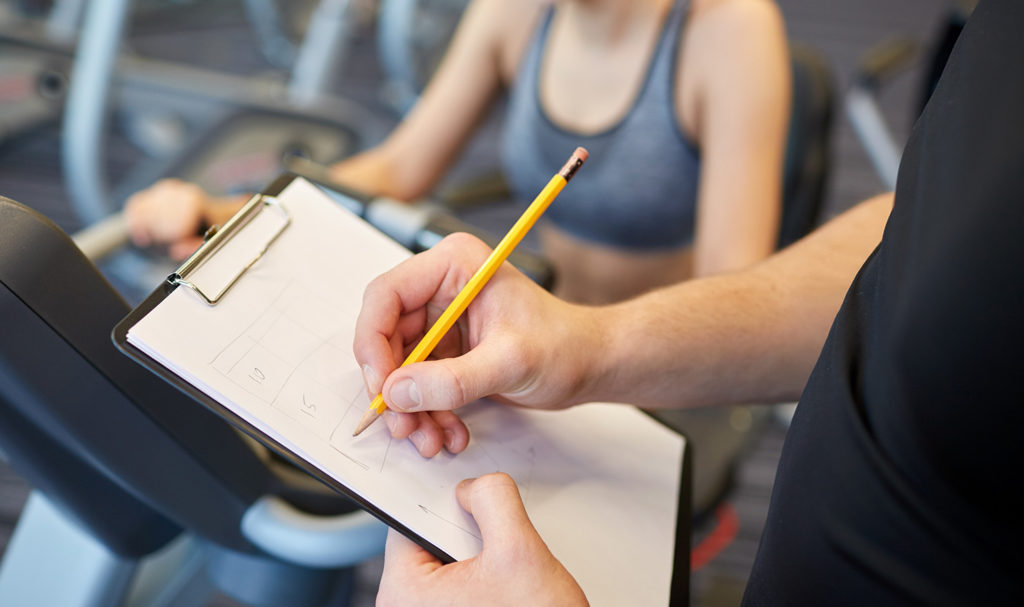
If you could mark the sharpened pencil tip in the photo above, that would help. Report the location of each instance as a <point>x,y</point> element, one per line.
<point>368,418</point>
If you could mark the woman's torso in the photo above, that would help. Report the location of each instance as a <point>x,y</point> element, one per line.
<point>626,223</point>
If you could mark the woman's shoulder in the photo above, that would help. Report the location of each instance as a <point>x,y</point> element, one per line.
<point>735,17</point>
<point>507,24</point>
<point>728,48</point>
<point>736,36</point>
<point>717,19</point>
<point>505,19</point>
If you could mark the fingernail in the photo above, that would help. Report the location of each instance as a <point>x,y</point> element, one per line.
<point>390,418</point>
<point>449,436</point>
<point>370,379</point>
<point>404,395</point>
<point>417,439</point>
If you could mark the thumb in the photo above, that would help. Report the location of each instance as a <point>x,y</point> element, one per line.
<point>495,503</point>
<point>450,383</point>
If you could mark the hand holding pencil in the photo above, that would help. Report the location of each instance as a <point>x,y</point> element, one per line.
<point>480,278</point>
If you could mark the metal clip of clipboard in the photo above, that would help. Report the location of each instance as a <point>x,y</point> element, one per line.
<point>217,238</point>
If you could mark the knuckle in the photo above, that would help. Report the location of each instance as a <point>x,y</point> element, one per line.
<point>461,242</point>
<point>501,478</point>
<point>458,240</point>
<point>494,480</point>
<point>431,444</point>
<point>407,424</point>
<point>449,391</point>
<point>376,290</point>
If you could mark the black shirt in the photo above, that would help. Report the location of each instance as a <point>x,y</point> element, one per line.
<point>901,476</point>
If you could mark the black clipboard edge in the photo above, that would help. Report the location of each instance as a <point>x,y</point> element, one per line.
<point>679,588</point>
<point>119,335</point>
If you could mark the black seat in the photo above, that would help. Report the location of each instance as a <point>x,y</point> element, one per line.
<point>808,154</point>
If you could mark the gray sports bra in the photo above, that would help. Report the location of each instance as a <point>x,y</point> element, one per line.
<point>639,187</point>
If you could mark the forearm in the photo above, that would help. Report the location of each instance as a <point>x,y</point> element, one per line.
<point>414,157</point>
<point>375,172</point>
<point>219,209</point>
<point>751,336</point>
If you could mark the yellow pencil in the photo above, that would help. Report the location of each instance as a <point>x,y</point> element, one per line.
<point>486,271</point>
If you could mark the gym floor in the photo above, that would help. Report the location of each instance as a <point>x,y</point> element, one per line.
<point>841,29</point>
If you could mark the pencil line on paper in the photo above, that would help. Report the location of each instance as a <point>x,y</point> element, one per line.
<point>245,331</point>
<point>384,459</point>
<point>354,460</point>
<point>453,524</point>
<point>309,355</point>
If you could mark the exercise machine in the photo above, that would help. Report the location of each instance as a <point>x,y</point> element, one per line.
<point>141,496</point>
<point>879,66</point>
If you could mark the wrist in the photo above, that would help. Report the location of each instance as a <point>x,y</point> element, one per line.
<point>592,370</point>
<point>217,210</point>
<point>644,352</point>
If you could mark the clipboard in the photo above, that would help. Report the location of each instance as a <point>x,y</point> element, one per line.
<point>254,238</point>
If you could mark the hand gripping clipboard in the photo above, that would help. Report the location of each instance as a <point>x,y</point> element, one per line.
<point>551,455</point>
<point>216,238</point>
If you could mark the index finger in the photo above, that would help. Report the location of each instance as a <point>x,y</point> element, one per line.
<point>435,275</point>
